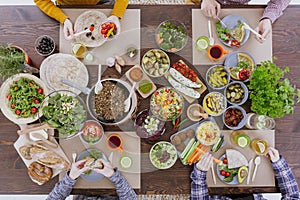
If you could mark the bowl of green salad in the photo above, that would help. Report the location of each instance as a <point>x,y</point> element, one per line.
<point>64,111</point>
<point>171,35</point>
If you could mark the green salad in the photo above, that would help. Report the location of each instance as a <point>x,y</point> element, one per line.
<point>25,97</point>
<point>171,36</point>
<point>65,113</point>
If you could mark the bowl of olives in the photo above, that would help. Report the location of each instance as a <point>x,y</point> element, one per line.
<point>44,45</point>
<point>236,93</point>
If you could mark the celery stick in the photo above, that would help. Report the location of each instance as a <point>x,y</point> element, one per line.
<point>187,148</point>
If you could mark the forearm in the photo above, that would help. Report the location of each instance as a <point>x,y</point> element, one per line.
<point>48,7</point>
<point>62,189</point>
<point>199,188</point>
<point>275,9</point>
<point>286,180</point>
<point>123,188</point>
<point>119,8</point>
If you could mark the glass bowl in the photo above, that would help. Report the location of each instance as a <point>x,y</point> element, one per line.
<point>234,117</point>
<point>44,45</point>
<point>217,77</point>
<point>65,111</point>
<point>155,63</point>
<point>171,35</point>
<point>148,126</point>
<point>166,104</point>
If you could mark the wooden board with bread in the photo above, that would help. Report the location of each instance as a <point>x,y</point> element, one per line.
<point>43,162</point>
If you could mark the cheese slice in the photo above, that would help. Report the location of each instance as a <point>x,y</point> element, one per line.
<point>235,159</point>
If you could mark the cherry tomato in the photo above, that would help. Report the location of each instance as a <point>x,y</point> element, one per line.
<point>174,65</point>
<point>225,161</point>
<point>34,110</point>
<point>18,112</point>
<point>244,74</point>
<point>222,172</point>
<point>104,26</point>
<point>227,174</point>
<point>235,43</point>
<point>36,101</point>
<point>194,79</point>
<point>40,91</point>
<point>12,106</point>
<point>8,97</point>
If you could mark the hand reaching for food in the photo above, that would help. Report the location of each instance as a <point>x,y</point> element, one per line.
<point>68,29</point>
<point>76,170</point>
<point>107,170</point>
<point>210,8</point>
<point>264,28</point>
<point>205,162</point>
<point>273,154</point>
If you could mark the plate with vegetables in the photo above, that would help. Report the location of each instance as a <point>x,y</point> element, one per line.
<point>171,35</point>
<point>232,33</point>
<point>240,65</point>
<point>163,155</point>
<point>236,175</point>
<point>64,111</point>
<point>21,98</point>
<point>166,104</point>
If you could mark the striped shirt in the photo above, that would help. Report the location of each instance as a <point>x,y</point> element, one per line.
<point>283,174</point>
<point>63,189</point>
<point>273,10</point>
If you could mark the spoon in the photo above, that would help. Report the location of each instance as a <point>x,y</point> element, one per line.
<point>128,100</point>
<point>36,136</point>
<point>98,86</point>
<point>196,113</point>
<point>256,162</point>
<point>211,39</point>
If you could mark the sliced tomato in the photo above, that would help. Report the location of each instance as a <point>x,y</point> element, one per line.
<point>235,43</point>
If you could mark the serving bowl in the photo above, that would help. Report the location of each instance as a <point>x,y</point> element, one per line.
<point>234,117</point>
<point>236,93</point>
<point>163,155</point>
<point>148,126</point>
<point>214,103</point>
<point>44,45</point>
<point>217,77</point>
<point>91,132</point>
<point>171,35</point>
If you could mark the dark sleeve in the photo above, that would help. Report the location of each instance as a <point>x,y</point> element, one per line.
<point>199,188</point>
<point>122,186</point>
<point>275,9</point>
<point>62,189</point>
<point>286,180</point>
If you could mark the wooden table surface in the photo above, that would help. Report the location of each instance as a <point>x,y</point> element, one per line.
<point>21,25</point>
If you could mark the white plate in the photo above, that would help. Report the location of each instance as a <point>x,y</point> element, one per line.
<point>60,65</point>
<point>4,101</point>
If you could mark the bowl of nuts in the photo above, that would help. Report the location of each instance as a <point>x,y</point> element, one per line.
<point>234,117</point>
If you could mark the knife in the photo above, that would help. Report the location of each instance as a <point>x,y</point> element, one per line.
<point>85,90</point>
<point>249,171</point>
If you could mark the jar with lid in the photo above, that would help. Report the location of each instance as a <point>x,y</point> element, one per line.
<point>259,122</point>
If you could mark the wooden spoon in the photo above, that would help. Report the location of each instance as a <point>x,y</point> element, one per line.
<point>39,136</point>
<point>196,113</point>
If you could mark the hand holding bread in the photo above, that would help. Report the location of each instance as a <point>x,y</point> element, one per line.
<point>76,170</point>
<point>107,170</point>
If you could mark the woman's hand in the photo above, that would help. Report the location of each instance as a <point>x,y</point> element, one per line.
<point>210,8</point>
<point>76,170</point>
<point>264,28</point>
<point>107,170</point>
<point>68,29</point>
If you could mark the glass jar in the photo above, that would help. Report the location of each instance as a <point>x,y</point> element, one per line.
<point>259,122</point>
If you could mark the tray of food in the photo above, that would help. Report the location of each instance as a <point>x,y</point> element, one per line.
<point>145,85</point>
<point>43,162</point>
<point>185,80</point>
<point>190,146</point>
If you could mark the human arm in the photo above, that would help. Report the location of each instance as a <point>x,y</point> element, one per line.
<point>119,8</point>
<point>123,188</point>
<point>63,188</point>
<point>283,174</point>
<point>210,8</point>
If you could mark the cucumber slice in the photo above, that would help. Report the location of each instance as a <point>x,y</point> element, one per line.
<point>218,145</point>
<point>187,148</point>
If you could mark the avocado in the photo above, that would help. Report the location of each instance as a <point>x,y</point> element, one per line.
<point>242,173</point>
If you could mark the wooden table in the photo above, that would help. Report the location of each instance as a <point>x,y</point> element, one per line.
<point>21,25</point>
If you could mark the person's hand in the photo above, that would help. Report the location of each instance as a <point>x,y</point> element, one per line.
<point>273,154</point>
<point>204,164</point>
<point>68,29</point>
<point>264,28</point>
<point>76,170</point>
<point>210,8</point>
<point>107,170</point>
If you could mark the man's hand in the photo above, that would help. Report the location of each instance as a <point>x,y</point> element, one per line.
<point>204,164</point>
<point>107,170</point>
<point>264,28</point>
<point>76,170</point>
<point>210,8</point>
<point>68,29</point>
<point>273,154</point>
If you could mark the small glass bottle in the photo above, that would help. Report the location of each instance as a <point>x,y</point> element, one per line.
<point>259,122</point>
